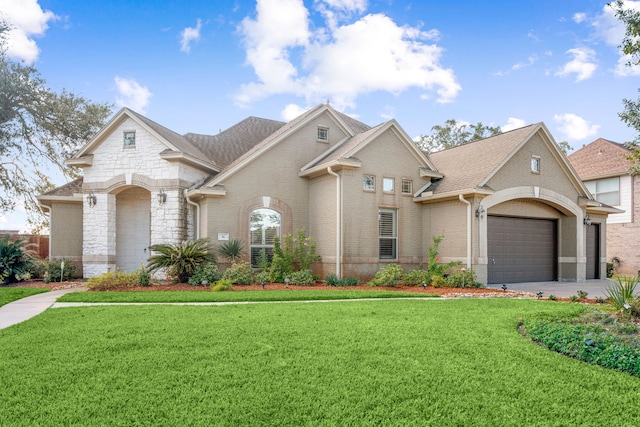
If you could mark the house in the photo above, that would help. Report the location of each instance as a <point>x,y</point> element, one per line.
<point>604,167</point>
<point>510,207</point>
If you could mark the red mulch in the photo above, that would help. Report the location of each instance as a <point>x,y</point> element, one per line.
<point>445,292</point>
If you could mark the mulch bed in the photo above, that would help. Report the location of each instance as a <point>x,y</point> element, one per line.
<point>443,292</point>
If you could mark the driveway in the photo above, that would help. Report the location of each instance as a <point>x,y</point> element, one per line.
<point>594,288</point>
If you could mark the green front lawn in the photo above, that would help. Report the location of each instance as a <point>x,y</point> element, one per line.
<point>239,296</point>
<point>387,362</point>
<point>8,295</point>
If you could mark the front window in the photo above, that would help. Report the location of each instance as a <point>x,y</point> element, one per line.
<point>605,190</point>
<point>264,227</point>
<point>388,233</point>
<point>369,182</point>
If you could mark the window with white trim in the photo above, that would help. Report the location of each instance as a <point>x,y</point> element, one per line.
<point>323,134</point>
<point>369,182</point>
<point>605,190</point>
<point>388,185</point>
<point>407,186</point>
<point>535,164</point>
<point>388,233</point>
<point>264,227</point>
<point>129,139</point>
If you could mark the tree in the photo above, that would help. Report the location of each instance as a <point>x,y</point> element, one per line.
<point>39,129</point>
<point>630,46</point>
<point>453,134</point>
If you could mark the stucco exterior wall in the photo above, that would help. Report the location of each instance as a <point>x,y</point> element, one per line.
<point>66,233</point>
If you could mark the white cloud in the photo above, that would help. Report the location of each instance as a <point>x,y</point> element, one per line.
<point>574,127</point>
<point>624,70</point>
<point>132,95</point>
<point>513,123</point>
<point>579,17</point>
<point>26,19</point>
<point>189,35</point>
<point>350,5</point>
<point>530,61</point>
<point>291,111</point>
<point>339,62</point>
<point>583,63</point>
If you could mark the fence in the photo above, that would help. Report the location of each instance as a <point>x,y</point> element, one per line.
<point>40,244</point>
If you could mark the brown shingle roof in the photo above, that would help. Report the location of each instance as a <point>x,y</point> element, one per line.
<point>600,159</point>
<point>68,189</point>
<point>232,143</point>
<point>467,166</point>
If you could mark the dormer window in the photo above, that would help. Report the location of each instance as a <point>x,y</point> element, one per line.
<point>129,139</point>
<point>323,134</point>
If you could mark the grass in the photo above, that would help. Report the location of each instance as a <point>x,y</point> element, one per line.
<point>241,296</point>
<point>387,362</point>
<point>8,295</point>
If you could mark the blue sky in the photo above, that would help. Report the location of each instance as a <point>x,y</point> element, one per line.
<point>202,66</point>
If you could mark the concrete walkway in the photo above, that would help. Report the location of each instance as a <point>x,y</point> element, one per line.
<point>26,308</point>
<point>594,288</point>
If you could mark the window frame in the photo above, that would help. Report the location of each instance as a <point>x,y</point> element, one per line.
<point>409,191</point>
<point>387,239</point>
<point>325,134</point>
<point>535,164</point>
<point>255,248</point>
<point>595,193</point>
<point>125,140</point>
<point>373,182</point>
<point>387,179</point>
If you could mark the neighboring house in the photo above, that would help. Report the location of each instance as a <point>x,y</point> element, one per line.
<point>510,207</point>
<point>604,168</point>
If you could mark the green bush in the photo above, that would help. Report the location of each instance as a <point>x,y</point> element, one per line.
<point>438,282</point>
<point>205,274</point>
<point>221,285</point>
<point>55,273</point>
<point>15,260</point>
<point>463,279</point>
<point>348,281</point>
<point>390,275</point>
<point>144,278</point>
<point>180,260</point>
<point>262,276</point>
<point>582,294</point>
<point>232,249</point>
<point>292,254</point>
<point>239,273</point>
<point>302,277</point>
<point>332,279</point>
<point>113,280</point>
<point>416,277</point>
<point>552,297</point>
<point>434,267</point>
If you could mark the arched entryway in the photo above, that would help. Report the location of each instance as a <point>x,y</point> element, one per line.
<point>133,228</point>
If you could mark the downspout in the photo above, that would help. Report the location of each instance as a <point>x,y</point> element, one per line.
<point>50,212</point>
<point>197,206</point>
<point>469,222</point>
<point>338,220</point>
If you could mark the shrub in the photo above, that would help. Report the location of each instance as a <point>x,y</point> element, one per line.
<point>582,294</point>
<point>292,254</point>
<point>302,277</point>
<point>552,297</point>
<point>144,279</point>
<point>463,279</point>
<point>573,298</point>
<point>221,285</point>
<point>56,273</point>
<point>348,281</point>
<point>600,300</point>
<point>263,276</point>
<point>434,267</point>
<point>390,275</point>
<point>15,259</point>
<point>416,277</point>
<point>438,282</point>
<point>621,295</point>
<point>112,280</point>
<point>262,260</point>
<point>231,249</point>
<point>180,259</point>
<point>332,279</point>
<point>205,274</point>
<point>239,273</point>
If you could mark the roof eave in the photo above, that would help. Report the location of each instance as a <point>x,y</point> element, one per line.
<point>335,165</point>
<point>81,162</point>
<point>429,196</point>
<point>48,200</point>
<point>177,156</point>
<point>204,193</point>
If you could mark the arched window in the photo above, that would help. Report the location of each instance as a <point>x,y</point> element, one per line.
<point>264,227</point>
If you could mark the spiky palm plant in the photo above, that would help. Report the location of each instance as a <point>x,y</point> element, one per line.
<point>180,259</point>
<point>232,249</point>
<point>15,259</point>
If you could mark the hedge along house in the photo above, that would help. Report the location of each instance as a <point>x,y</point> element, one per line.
<point>510,207</point>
